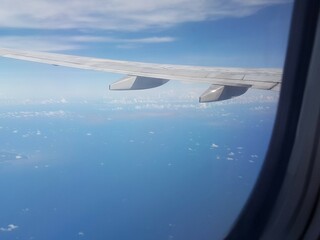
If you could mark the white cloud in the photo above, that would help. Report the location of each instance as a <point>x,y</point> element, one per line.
<point>87,38</point>
<point>9,228</point>
<point>121,14</point>
<point>63,100</point>
<point>26,210</point>
<point>58,43</point>
<point>39,43</point>
<point>28,114</point>
<point>149,40</point>
<point>214,145</point>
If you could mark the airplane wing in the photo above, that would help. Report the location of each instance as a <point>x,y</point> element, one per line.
<point>225,82</point>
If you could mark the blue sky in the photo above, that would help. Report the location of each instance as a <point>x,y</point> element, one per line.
<point>235,33</point>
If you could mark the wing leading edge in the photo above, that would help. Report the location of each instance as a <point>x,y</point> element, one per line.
<point>225,82</point>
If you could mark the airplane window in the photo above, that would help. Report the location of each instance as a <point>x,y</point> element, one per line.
<point>78,161</point>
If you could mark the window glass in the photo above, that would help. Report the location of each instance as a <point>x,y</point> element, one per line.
<point>78,161</point>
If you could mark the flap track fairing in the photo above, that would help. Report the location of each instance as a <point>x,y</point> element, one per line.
<point>218,93</point>
<point>137,83</point>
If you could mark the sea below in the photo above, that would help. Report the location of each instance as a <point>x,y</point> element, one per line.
<point>140,171</point>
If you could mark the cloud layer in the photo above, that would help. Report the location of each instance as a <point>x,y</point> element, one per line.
<point>9,228</point>
<point>87,18</point>
<point>59,43</point>
<point>120,15</point>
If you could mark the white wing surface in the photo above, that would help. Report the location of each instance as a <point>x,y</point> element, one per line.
<point>225,82</point>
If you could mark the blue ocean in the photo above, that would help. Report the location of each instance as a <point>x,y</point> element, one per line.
<point>100,170</point>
